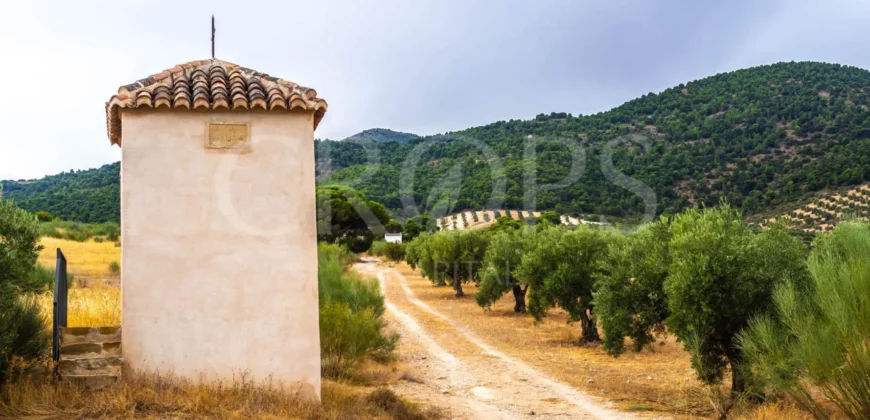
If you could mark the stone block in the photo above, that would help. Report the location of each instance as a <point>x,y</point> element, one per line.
<point>109,334</point>
<point>91,381</point>
<point>112,349</point>
<point>94,366</point>
<point>82,350</point>
<point>77,335</point>
<point>109,330</point>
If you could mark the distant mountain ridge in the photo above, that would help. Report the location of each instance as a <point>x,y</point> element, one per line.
<point>382,135</point>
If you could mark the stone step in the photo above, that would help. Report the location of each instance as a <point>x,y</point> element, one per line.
<point>78,335</point>
<point>90,356</point>
<point>110,365</point>
<point>89,350</point>
<point>91,381</point>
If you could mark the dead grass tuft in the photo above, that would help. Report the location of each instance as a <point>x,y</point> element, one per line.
<point>774,412</point>
<point>387,400</point>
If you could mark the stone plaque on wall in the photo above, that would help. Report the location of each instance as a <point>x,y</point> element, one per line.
<point>228,135</point>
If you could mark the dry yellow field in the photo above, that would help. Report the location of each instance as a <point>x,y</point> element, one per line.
<point>97,306</point>
<point>87,261</point>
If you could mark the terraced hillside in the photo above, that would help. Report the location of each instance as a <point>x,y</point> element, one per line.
<point>483,219</point>
<point>822,214</point>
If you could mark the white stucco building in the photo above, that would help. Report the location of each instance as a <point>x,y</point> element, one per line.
<point>219,253</point>
<point>393,237</point>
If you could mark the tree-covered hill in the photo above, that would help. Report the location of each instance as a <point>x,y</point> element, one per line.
<point>758,137</point>
<point>85,196</point>
<point>767,137</point>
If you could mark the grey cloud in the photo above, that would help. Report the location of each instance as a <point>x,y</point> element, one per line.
<point>415,66</point>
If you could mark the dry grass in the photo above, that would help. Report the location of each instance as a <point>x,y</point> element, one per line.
<point>659,380</point>
<point>88,261</point>
<point>153,397</point>
<point>775,412</point>
<point>97,306</point>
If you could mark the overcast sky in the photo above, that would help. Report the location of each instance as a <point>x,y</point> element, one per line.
<point>417,66</point>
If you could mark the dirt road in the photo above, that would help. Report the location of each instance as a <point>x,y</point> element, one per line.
<point>454,369</point>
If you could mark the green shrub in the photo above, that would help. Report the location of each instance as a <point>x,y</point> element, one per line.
<point>41,279</point>
<point>79,232</point>
<point>114,267</point>
<point>394,251</point>
<point>328,252</point>
<point>76,235</point>
<point>50,231</point>
<point>44,216</point>
<point>377,248</point>
<point>337,285</point>
<point>817,338</point>
<point>348,336</point>
<point>27,339</point>
<point>351,315</point>
<point>99,239</point>
<point>22,328</point>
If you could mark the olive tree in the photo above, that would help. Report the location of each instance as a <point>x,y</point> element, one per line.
<point>629,298</point>
<point>472,245</point>
<point>23,332</point>
<point>456,255</point>
<point>500,263</point>
<point>445,253</point>
<point>721,275</point>
<point>560,268</point>
<point>418,254</point>
<point>818,335</point>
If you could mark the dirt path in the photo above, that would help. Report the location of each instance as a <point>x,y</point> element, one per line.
<point>454,369</point>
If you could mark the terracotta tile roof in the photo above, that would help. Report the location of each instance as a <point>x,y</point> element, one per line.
<point>211,85</point>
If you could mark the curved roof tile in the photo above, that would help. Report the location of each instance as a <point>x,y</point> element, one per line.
<point>211,84</point>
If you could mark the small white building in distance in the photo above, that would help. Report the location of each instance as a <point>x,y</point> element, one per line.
<point>394,238</point>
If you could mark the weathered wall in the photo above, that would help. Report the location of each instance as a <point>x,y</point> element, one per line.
<point>219,273</point>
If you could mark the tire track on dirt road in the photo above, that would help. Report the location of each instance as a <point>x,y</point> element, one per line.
<point>499,387</point>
